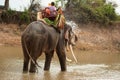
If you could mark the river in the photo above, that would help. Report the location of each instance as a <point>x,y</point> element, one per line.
<point>92,65</point>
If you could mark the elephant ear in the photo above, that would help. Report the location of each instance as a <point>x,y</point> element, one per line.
<point>67,35</point>
<point>60,21</point>
<point>76,38</point>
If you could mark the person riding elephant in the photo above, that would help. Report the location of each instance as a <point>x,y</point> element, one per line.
<point>50,15</point>
<point>53,12</point>
<point>37,38</point>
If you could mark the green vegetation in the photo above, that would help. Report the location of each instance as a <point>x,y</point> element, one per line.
<point>91,11</point>
<point>80,11</point>
<point>10,12</point>
<point>25,17</point>
<point>11,16</point>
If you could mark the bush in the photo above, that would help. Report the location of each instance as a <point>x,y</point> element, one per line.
<point>102,14</point>
<point>11,16</point>
<point>8,16</point>
<point>108,11</point>
<point>10,12</point>
<point>25,17</point>
<point>118,18</point>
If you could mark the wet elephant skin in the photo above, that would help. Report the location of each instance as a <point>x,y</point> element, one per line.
<point>38,37</point>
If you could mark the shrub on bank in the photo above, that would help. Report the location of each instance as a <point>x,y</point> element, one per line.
<point>92,13</point>
<point>25,17</point>
<point>11,16</point>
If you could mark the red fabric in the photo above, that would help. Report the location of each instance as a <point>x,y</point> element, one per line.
<point>47,11</point>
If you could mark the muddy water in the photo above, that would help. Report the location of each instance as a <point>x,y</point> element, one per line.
<point>97,65</point>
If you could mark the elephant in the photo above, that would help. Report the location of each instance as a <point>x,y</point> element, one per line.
<point>39,37</point>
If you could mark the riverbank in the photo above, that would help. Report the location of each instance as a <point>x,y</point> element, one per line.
<point>90,37</point>
<point>99,38</point>
<point>10,34</point>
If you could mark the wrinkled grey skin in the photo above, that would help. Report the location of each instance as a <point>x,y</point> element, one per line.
<point>38,38</point>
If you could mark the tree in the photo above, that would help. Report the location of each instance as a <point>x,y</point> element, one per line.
<point>34,6</point>
<point>31,5</point>
<point>6,4</point>
<point>85,11</point>
<point>72,3</point>
<point>62,2</point>
<point>69,3</point>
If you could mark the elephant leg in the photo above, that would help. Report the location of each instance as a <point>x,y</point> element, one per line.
<point>36,51</point>
<point>62,59</point>
<point>26,59</point>
<point>33,66</point>
<point>33,63</point>
<point>25,65</point>
<point>48,58</point>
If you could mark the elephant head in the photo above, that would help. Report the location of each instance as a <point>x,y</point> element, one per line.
<point>70,40</point>
<point>70,36</point>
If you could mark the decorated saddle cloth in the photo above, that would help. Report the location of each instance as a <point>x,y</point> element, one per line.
<point>58,22</point>
<point>53,18</point>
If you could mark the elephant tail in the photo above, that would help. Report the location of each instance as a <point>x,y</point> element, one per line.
<point>34,62</point>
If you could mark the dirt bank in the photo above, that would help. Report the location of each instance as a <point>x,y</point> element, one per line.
<point>90,37</point>
<point>10,34</point>
<point>96,37</point>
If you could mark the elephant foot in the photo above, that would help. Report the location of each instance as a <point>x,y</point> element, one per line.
<point>46,69</point>
<point>63,70</point>
<point>25,70</point>
<point>33,70</point>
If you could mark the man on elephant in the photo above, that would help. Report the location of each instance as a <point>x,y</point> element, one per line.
<point>52,17</point>
<point>49,13</point>
<point>53,12</point>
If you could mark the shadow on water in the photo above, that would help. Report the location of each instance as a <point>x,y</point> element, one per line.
<point>91,66</point>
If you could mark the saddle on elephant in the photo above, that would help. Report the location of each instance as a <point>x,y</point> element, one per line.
<point>52,18</point>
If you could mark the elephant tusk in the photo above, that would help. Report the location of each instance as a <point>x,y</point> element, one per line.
<point>73,53</point>
<point>69,60</point>
<point>67,49</point>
